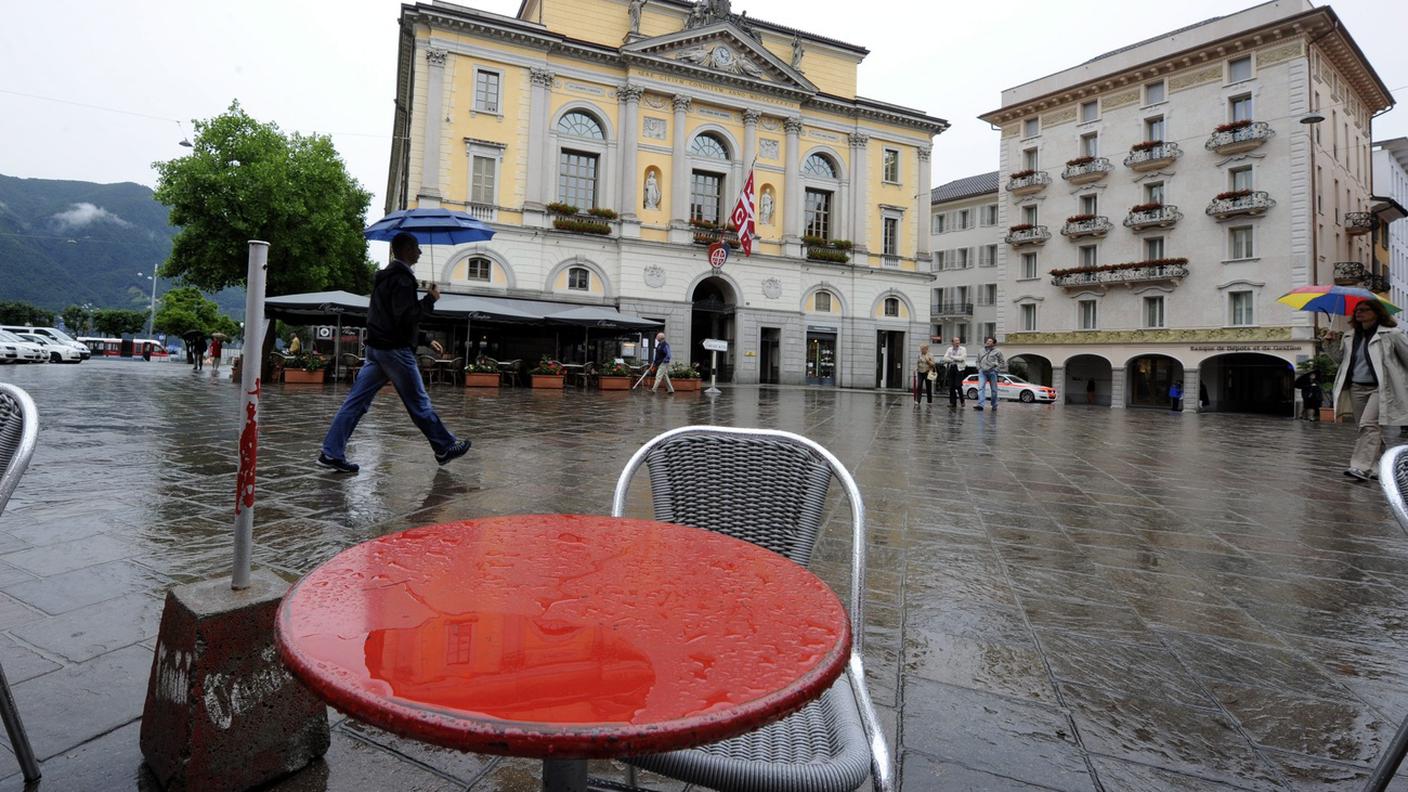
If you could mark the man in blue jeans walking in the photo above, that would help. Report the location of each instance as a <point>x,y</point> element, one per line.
<point>991,362</point>
<point>393,320</point>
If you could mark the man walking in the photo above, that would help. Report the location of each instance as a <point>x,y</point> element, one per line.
<point>662,363</point>
<point>991,362</point>
<point>393,320</point>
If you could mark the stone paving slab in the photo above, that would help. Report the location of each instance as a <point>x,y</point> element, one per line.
<point>1060,598</point>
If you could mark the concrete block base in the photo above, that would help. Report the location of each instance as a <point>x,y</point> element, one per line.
<point>222,711</point>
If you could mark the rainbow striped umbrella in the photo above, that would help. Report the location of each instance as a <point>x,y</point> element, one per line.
<point>1332,299</point>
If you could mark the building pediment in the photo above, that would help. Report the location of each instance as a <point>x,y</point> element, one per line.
<point>718,51</point>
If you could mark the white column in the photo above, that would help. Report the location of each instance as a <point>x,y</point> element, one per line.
<point>629,97</point>
<point>536,196</point>
<point>792,200</point>
<point>1058,381</point>
<point>679,166</point>
<point>921,209</point>
<point>750,138</point>
<point>434,112</point>
<point>1117,377</point>
<point>860,196</point>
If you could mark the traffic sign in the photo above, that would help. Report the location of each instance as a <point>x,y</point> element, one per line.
<point>715,345</point>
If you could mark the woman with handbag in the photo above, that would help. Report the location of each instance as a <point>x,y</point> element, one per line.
<point>925,373</point>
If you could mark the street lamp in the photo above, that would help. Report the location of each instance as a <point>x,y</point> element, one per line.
<point>151,313</point>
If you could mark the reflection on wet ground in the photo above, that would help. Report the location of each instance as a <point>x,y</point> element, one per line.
<point>1059,598</point>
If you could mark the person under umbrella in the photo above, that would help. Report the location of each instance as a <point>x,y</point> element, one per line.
<point>1373,382</point>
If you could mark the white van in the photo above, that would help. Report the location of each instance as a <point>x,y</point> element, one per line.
<point>57,336</point>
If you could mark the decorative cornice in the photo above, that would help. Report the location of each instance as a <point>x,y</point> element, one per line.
<point>542,77</point>
<point>682,103</point>
<point>751,116</point>
<point>435,56</point>
<point>793,125</point>
<point>1205,336</point>
<point>629,93</point>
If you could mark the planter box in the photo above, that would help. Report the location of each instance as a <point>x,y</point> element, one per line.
<point>1327,414</point>
<point>614,383</point>
<point>301,377</point>
<point>686,384</point>
<point>548,380</point>
<point>481,380</point>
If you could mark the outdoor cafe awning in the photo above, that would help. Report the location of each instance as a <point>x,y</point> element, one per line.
<point>317,308</point>
<point>326,307</point>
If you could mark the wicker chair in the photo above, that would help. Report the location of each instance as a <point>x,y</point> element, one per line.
<point>769,488</point>
<point>352,365</point>
<point>1393,479</point>
<point>19,428</point>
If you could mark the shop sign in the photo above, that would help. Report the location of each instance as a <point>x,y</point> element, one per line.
<point>1247,348</point>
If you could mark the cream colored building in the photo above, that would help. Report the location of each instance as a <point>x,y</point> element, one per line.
<point>1159,198</point>
<point>965,240</point>
<point>604,139</point>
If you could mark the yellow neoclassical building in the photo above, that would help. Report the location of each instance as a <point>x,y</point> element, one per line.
<point>607,140</point>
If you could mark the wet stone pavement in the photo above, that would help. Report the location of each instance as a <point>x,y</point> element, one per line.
<point>1059,598</point>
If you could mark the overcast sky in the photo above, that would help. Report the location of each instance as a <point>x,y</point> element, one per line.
<point>319,65</point>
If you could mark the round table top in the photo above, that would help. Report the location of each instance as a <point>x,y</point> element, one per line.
<point>563,636</point>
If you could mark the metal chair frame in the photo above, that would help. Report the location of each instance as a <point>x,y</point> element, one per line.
<point>1393,480</point>
<point>19,433</point>
<point>882,769</point>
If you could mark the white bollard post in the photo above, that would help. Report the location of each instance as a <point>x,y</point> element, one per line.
<point>249,411</point>
<point>713,374</point>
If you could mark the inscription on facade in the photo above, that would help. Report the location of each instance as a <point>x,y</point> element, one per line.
<point>709,111</point>
<point>819,135</point>
<point>696,84</point>
<point>586,89</point>
<point>1246,348</point>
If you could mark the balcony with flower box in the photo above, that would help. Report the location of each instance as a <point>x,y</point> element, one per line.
<point>1085,225</point>
<point>1357,223</point>
<point>1377,284</point>
<point>1152,215</point>
<point>1152,155</point>
<point>1240,203</point>
<point>707,233</point>
<point>1027,234</point>
<point>1028,182</point>
<point>1168,270</point>
<point>1350,273</point>
<point>1238,137</point>
<point>597,221</point>
<point>1086,170</point>
<point>834,251</point>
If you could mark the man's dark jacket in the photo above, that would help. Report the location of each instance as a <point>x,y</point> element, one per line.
<point>394,315</point>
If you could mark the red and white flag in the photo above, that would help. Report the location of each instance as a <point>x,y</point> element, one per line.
<point>745,216</point>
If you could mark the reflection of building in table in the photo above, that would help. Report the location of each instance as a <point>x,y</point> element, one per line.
<point>607,159</point>
<point>1180,194</point>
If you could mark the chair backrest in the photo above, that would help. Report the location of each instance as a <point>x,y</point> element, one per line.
<point>1393,479</point>
<point>19,429</point>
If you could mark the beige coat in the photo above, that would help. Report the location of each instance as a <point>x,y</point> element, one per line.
<point>1388,351</point>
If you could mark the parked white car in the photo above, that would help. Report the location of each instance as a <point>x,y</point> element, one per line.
<point>1011,387</point>
<point>29,352</point>
<point>56,352</point>
<point>9,353</point>
<point>53,334</point>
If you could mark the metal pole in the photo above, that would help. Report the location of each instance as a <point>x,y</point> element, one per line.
<point>337,350</point>
<point>151,315</point>
<point>249,411</point>
<point>713,374</point>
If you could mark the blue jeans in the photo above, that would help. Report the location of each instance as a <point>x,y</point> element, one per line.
<point>398,366</point>
<point>988,379</point>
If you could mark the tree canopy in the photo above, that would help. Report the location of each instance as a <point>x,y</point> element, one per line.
<point>14,312</point>
<point>185,309</point>
<point>118,322</point>
<point>247,180</point>
<point>78,319</point>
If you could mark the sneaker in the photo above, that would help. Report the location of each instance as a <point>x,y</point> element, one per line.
<point>977,406</point>
<point>1356,473</point>
<point>340,465</point>
<point>454,452</point>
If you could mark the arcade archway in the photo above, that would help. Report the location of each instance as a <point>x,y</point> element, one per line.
<point>715,304</point>
<point>1247,382</point>
<point>1089,380</point>
<point>1150,377</point>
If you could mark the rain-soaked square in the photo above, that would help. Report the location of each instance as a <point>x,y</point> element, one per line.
<point>1070,598</point>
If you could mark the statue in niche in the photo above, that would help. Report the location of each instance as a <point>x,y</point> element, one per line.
<point>634,10</point>
<point>652,191</point>
<point>797,51</point>
<point>765,207</point>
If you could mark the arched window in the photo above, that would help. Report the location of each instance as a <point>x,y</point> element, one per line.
<point>823,302</point>
<point>819,166</point>
<point>892,306</point>
<point>478,269</point>
<point>578,124</point>
<point>579,279</point>
<point>708,145</point>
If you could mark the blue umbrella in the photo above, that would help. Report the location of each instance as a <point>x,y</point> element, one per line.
<point>434,226</point>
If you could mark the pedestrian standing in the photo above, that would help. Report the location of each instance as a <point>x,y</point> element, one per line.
<point>1373,382</point>
<point>661,365</point>
<point>1090,391</point>
<point>1175,397</point>
<point>955,360</point>
<point>991,362</point>
<point>200,351</point>
<point>925,372</point>
<point>393,319</point>
<point>1312,395</point>
<point>215,353</point>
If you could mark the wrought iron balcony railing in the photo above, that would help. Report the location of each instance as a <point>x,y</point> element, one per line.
<point>1239,139</point>
<point>1028,183</point>
<point>1018,236</point>
<point>1161,216</point>
<point>1377,284</point>
<point>1350,273</point>
<point>1141,273</point>
<point>1083,171</point>
<point>951,309</point>
<point>1356,223</point>
<point>1088,227</point>
<point>1146,157</point>
<point>1251,203</point>
<point>708,236</point>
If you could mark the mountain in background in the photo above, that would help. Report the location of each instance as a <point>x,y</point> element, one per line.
<point>69,242</point>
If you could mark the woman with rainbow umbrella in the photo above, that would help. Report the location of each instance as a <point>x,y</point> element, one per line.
<point>1373,374</point>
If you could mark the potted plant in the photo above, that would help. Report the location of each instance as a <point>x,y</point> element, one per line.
<point>1078,161</point>
<point>1232,195</point>
<point>1152,206</point>
<point>614,376</point>
<point>1021,174</point>
<point>304,368</point>
<point>1233,126</point>
<point>1147,145</point>
<point>481,374</point>
<point>685,376</point>
<point>548,374</point>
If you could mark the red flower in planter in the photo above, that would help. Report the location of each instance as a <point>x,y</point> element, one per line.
<point>1071,163</point>
<point>1233,126</point>
<point>1080,218</point>
<point>1147,145</point>
<point>1233,194</point>
<point>1020,227</point>
<point>1146,207</point>
<point>1022,174</point>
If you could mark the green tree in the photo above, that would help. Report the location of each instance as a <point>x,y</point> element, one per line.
<point>248,180</point>
<point>78,319</point>
<point>14,312</point>
<point>185,309</point>
<point>118,322</point>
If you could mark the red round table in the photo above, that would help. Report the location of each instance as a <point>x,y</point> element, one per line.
<point>564,637</point>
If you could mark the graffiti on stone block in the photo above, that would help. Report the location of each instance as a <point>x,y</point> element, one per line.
<point>173,673</point>
<point>227,698</point>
